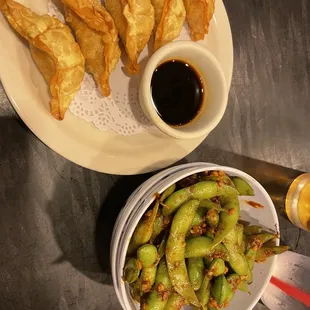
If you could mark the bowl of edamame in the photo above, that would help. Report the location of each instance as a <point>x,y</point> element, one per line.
<point>194,236</point>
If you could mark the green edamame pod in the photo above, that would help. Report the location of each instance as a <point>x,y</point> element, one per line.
<point>243,187</point>
<point>199,246</point>
<point>199,217</point>
<point>256,241</point>
<point>221,290</point>
<point>199,191</point>
<point>220,252</point>
<point>175,302</point>
<point>228,220</point>
<point>268,251</point>
<point>239,234</point>
<point>147,278</point>
<point>237,259</point>
<point>144,230</point>
<point>203,293</point>
<point>158,297</point>
<point>252,230</point>
<point>147,255</point>
<point>243,286</point>
<point>158,225</point>
<point>250,255</point>
<point>210,205</point>
<point>162,246</point>
<point>235,281</point>
<point>167,192</point>
<point>195,267</point>
<point>217,268</point>
<point>243,244</point>
<point>212,218</point>
<point>175,251</point>
<point>131,270</point>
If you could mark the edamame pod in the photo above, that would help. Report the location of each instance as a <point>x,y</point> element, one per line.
<point>228,220</point>
<point>212,218</point>
<point>268,251</point>
<point>199,191</point>
<point>203,293</point>
<point>256,241</point>
<point>235,281</point>
<point>144,230</point>
<point>237,259</point>
<point>217,268</point>
<point>250,255</point>
<point>195,267</point>
<point>175,302</point>
<point>221,291</point>
<point>243,187</point>
<point>147,278</point>
<point>158,297</point>
<point>167,192</point>
<point>147,255</point>
<point>220,252</point>
<point>131,270</point>
<point>199,217</point>
<point>210,205</point>
<point>162,246</point>
<point>175,251</point>
<point>252,230</point>
<point>199,246</point>
<point>239,234</point>
<point>158,225</point>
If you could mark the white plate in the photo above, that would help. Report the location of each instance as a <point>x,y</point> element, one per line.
<point>79,141</point>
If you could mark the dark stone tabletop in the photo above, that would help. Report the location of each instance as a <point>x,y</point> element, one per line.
<point>56,217</point>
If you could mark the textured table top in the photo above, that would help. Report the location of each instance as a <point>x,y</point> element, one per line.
<point>56,217</point>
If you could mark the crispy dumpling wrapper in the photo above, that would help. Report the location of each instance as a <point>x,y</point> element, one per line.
<point>134,20</point>
<point>198,16</point>
<point>169,16</point>
<point>97,36</point>
<point>54,50</point>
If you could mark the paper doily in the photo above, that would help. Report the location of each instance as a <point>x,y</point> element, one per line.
<point>120,112</point>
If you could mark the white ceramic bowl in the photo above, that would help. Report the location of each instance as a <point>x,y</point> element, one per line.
<point>215,87</point>
<point>144,196</point>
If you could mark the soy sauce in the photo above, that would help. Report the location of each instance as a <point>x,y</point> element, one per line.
<point>177,92</point>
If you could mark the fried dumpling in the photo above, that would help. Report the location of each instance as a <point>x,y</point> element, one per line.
<point>97,36</point>
<point>134,20</point>
<point>198,16</point>
<point>169,18</point>
<point>54,50</point>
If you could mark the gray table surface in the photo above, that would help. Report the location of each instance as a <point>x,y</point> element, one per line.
<point>56,217</point>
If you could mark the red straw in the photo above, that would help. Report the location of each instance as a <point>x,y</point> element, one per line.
<point>292,291</point>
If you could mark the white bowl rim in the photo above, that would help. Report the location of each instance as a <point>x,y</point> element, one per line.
<point>125,242</point>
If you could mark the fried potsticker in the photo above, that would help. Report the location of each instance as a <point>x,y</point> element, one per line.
<point>134,20</point>
<point>198,16</point>
<point>97,36</point>
<point>169,20</point>
<point>54,50</point>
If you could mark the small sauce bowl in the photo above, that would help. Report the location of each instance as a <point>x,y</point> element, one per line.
<point>215,87</point>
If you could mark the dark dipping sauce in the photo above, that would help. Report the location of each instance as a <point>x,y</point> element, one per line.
<point>177,92</point>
